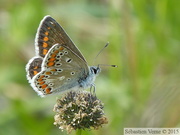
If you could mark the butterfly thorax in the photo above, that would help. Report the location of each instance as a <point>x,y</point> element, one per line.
<point>88,80</point>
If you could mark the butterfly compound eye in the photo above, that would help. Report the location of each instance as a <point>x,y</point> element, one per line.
<point>95,70</point>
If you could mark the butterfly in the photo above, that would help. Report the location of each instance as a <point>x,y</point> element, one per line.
<point>58,65</point>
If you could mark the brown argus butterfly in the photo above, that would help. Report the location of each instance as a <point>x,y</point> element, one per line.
<point>58,65</point>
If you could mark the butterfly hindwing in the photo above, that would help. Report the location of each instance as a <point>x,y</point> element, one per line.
<point>62,69</point>
<point>33,67</point>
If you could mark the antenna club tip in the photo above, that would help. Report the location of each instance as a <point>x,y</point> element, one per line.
<point>114,65</point>
<point>106,44</point>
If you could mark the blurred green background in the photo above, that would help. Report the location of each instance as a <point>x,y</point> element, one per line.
<point>144,38</point>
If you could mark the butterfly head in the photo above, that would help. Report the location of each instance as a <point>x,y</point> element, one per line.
<point>95,70</point>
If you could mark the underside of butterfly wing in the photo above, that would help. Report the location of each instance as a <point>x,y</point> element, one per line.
<point>62,70</point>
<point>33,67</point>
<point>49,33</point>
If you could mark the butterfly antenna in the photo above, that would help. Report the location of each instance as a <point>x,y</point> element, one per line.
<point>106,45</point>
<point>107,65</point>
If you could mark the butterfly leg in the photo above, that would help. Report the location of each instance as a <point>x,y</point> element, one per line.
<point>93,89</point>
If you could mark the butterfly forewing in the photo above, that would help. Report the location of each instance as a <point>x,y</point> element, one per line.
<point>61,70</point>
<point>50,33</point>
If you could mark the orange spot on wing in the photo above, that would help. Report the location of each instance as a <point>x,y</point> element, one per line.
<point>41,83</point>
<point>48,28</point>
<point>56,51</point>
<point>45,38</point>
<point>42,76</point>
<point>48,73</point>
<point>46,33</point>
<point>45,51</point>
<point>44,86</point>
<point>53,55</point>
<point>53,70</point>
<point>35,72</point>
<point>50,63</point>
<point>40,80</point>
<point>51,59</point>
<point>35,67</point>
<point>45,44</point>
<point>61,48</point>
<point>48,90</point>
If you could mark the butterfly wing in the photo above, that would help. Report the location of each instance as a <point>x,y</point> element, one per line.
<point>33,67</point>
<point>62,69</point>
<point>50,33</point>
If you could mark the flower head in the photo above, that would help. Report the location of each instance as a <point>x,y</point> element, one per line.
<point>79,110</point>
